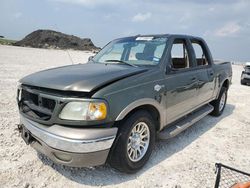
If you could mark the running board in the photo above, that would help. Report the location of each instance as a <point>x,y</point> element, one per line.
<point>177,127</point>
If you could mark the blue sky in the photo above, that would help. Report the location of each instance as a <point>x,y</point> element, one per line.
<point>224,24</point>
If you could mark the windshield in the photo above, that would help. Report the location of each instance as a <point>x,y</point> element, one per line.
<point>134,51</point>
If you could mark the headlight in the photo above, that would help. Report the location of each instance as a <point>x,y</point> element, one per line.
<point>84,111</point>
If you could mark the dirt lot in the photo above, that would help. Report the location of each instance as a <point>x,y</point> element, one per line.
<point>187,160</point>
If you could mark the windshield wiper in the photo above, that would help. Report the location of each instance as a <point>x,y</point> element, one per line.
<point>122,62</point>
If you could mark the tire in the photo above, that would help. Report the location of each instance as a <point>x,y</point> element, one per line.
<point>120,158</point>
<point>218,109</point>
<point>242,82</point>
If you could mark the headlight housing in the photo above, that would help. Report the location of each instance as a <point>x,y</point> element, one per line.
<point>83,110</point>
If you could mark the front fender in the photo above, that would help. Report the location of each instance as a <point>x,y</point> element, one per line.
<point>141,102</point>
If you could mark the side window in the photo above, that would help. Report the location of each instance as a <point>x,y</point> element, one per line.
<point>201,58</point>
<point>179,55</point>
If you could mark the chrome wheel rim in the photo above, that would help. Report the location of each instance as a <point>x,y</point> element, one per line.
<point>222,101</point>
<point>138,141</point>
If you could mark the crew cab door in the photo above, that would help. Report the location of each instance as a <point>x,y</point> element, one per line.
<point>204,70</point>
<point>181,80</point>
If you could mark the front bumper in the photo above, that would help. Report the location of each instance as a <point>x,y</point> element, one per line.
<point>78,147</point>
<point>245,76</point>
<point>246,80</point>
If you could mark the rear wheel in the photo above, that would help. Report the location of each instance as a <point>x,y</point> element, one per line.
<point>134,144</point>
<point>220,103</point>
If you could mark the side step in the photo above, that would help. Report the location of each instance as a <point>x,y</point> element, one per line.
<point>177,127</point>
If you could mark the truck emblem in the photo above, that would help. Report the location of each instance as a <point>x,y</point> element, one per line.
<point>158,87</point>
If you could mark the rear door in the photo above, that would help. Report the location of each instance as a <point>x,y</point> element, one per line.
<point>181,81</point>
<point>204,71</point>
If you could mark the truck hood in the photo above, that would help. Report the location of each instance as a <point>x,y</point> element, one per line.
<point>81,77</point>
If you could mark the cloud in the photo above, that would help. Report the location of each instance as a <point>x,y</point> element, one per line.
<point>18,15</point>
<point>140,17</point>
<point>228,29</point>
<point>185,17</point>
<point>211,9</point>
<point>88,3</point>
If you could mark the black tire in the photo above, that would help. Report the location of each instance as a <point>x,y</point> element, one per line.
<point>242,82</point>
<point>216,103</point>
<point>119,158</point>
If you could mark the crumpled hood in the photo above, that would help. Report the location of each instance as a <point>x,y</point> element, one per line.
<point>81,77</point>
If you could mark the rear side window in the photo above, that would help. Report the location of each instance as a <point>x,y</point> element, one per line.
<point>200,55</point>
<point>179,55</point>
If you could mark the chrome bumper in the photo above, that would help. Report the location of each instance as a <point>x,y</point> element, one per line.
<point>79,144</point>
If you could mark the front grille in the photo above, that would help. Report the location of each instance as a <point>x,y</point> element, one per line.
<point>36,105</point>
<point>48,103</point>
<point>31,97</point>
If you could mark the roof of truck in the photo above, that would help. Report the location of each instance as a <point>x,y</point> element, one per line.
<point>167,35</point>
<point>164,35</point>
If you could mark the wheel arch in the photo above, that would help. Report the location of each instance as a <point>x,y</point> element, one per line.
<point>150,105</point>
<point>226,84</point>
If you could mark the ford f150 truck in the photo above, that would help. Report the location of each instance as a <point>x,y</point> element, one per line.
<point>113,108</point>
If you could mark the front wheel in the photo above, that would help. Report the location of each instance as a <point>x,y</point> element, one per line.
<point>135,142</point>
<point>220,103</point>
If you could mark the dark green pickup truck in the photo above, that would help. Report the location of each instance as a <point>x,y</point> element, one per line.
<point>113,108</point>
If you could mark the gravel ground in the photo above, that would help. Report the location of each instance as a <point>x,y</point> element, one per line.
<point>184,161</point>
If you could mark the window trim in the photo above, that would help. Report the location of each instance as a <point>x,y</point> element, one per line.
<point>204,50</point>
<point>188,46</point>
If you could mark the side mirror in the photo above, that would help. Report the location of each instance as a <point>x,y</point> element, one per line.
<point>90,58</point>
<point>170,69</point>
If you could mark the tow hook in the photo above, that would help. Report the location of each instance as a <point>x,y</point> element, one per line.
<point>25,134</point>
<point>19,128</point>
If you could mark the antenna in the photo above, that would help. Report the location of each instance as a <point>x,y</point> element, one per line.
<point>70,57</point>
